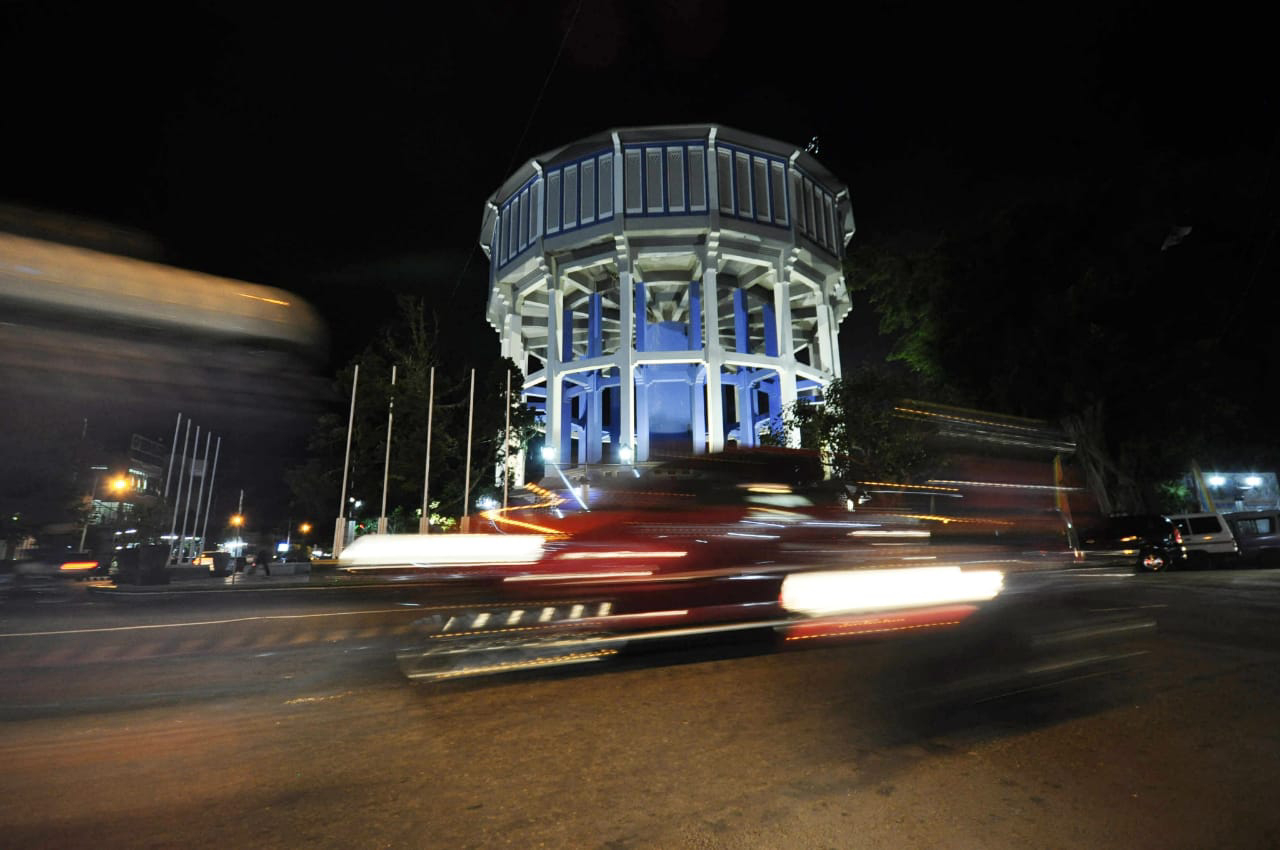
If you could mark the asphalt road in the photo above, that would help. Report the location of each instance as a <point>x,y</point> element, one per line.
<point>279,719</point>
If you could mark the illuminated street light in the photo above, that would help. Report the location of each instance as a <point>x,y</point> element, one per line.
<point>305,528</point>
<point>119,485</point>
<point>237,520</point>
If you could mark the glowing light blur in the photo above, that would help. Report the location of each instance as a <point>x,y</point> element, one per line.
<point>567,576</point>
<point>571,556</point>
<point>380,551</point>
<point>833,592</point>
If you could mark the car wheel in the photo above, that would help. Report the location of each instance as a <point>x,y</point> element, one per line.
<point>1153,561</point>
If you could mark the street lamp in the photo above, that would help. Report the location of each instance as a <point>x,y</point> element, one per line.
<point>237,521</point>
<point>93,495</point>
<point>305,528</point>
<point>119,486</point>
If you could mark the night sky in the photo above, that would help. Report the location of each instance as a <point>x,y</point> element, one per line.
<point>346,157</point>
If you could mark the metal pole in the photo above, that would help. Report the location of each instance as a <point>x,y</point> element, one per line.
<point>173,527</point>
<point>191,480</point>
<point>239,539</point>
<point>471,409</point>
<point>340,529</point>
<point>424,524</point>
<point>92,495</point>
<point>217,450</point>
<point>204,473</point>
<point>173,447</point>
<point>506,446</point>
<point>386,463</point>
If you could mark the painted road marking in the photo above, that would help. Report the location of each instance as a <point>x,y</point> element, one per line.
<point>261,618</point>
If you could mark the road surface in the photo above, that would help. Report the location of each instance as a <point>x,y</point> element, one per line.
<point>280,719</point>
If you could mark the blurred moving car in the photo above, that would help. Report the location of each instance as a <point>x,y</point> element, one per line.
<point>1207,538</point>
<point>1257,534</point>
<point>1146,542</point>
<point>742,541</point>
<point>53,563</point>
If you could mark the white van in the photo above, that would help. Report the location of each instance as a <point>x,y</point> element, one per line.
<point>1207,538</point>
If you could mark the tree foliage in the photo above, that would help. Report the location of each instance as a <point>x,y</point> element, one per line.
<point>1089,304</point>
<point>857,430</point>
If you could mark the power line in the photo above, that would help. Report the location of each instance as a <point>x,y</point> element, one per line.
<point>515,150</point>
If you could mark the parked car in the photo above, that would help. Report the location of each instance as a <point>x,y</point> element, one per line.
<point>218,562</point>
<point>1146,542</point>
<point>1207,538</point>
<point>1257,534</point>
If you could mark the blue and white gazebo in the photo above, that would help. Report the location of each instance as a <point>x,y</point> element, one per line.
<point>667,289</point>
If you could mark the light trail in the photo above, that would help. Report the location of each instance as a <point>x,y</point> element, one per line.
<point>263,618</point>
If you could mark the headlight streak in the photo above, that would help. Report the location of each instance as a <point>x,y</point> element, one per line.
<point>906,487</point>
<point>818,524</point>
<point>434,551</point>
<point>849,591</point>
<point>567,576</point>
<point>1010,486</point>
<point>626,553</point>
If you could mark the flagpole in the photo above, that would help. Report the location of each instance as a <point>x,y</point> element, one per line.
<point>204,473</point>
<point>466,487</point>
<point>340,528</point>
<point>173,447</point>
<point>173,527</point>
<point>217,451</point>
<point>386,464</point>
<point>424,523</point>
<point>191,480</point>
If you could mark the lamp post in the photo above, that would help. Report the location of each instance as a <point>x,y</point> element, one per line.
<point>237,520</point>
<point>119,485</point>
<point>93,495</point>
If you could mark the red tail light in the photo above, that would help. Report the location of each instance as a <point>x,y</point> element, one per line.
<point>1177,536</point>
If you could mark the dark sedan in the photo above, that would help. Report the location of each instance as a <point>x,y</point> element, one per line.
<point>1146,542</point>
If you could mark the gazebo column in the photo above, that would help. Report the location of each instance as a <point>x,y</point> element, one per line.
<point>626,359</point>
<point>714,357</point>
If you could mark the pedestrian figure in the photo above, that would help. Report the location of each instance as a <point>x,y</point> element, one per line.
<point>263,559</point>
